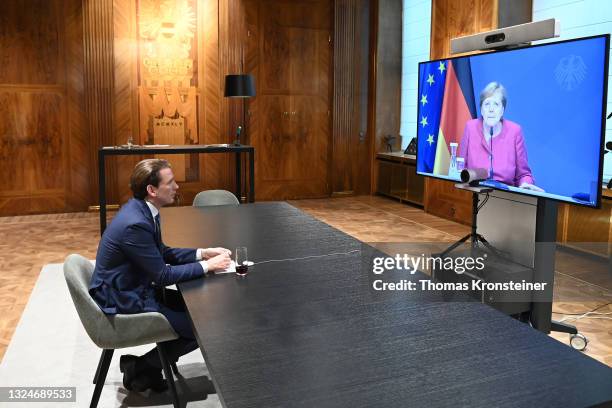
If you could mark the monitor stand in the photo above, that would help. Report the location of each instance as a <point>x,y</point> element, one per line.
<point>544,271</point>
<point>540,315</point>
<point>475,238</point>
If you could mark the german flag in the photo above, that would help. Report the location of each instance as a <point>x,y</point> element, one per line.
<point>458,107</point>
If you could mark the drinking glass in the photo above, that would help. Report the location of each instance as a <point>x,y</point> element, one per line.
<point>242,267</point>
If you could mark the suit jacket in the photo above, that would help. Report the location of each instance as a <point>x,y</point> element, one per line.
<point>510,164</point>
<point>130,260</point>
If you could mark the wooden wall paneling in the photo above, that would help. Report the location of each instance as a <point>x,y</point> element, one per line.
<point>251,57</point>
<point>439,43</point>
<point>266,117</point>
<point>586,229</point>
<point>234,39</point>
<point>292,65</point>
<point>80,192</point>
<point>320,105</point>
<point>32,151</point>
<point>12,154</point>
<point>589,229</point>
<point>229,52</point>
<point>372,86</point>
<point>125,92</point>
<point>344,96</point>
<point>32,40</point>
<point>489,15</point>
<point>33,141</point>
<point>562,219</point>
<point>46,153</point>
<point>345,85</point>
<point>361,163</point>
<point>350,150</point>
<point>255,105</point>
<point>462,18</point>
<point>445,201</point>
<point>213,168</point>
<point>457,18</point>
<point>99,87</point>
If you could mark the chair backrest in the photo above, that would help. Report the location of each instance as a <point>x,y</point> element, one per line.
<point>209,198</point>
<point>77,272</point>
<point>114,331</point>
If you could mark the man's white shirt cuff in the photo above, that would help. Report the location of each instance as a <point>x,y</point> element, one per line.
<point>200,257</point>
<point>200,254</point>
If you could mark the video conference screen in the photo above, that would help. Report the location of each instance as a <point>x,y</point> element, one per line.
<point>532,118</point>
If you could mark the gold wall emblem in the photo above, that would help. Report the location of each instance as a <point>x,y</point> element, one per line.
<point>167,87</point>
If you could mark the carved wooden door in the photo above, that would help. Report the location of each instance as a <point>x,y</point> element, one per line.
<point>289,52</point>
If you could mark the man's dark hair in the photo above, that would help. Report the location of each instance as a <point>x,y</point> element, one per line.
<point>146,172</point>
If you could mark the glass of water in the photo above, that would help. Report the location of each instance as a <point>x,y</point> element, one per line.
<point>242,267</point>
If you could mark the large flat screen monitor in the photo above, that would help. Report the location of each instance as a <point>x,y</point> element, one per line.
<point>533,118</point>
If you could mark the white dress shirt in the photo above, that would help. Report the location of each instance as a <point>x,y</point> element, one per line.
<point>199,251</point>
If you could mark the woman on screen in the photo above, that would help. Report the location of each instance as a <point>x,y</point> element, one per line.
<point>496,144</point>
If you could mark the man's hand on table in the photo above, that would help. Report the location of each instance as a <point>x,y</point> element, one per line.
<point>218,263</point>
<point>212,252</point>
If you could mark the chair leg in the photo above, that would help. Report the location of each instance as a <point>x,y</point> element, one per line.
<point>97,374</point>
<point>175,369</point>
<point>161,348</point>
<point>100,377</point>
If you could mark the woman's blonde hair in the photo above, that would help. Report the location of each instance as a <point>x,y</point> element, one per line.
<point>490,89</point>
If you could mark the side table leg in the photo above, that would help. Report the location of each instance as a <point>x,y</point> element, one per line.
<point>238,176</point>
<point>102,190</point>
<point>252,176</point>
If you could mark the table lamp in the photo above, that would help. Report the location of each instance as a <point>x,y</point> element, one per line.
<point>240,86</point>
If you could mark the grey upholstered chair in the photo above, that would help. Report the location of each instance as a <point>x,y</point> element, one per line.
<point>118,331</point>
<point>209,198</point>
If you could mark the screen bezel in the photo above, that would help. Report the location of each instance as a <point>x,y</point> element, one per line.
<point>603,116</point>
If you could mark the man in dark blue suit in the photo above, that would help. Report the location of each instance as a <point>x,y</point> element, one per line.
<point>133,266</point>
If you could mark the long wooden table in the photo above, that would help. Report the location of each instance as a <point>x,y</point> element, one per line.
<point>312,332</point>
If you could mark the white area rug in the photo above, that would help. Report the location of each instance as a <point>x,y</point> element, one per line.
<point>51,348</point>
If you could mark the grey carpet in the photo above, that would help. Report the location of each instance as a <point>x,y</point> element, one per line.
<point>50,348</point>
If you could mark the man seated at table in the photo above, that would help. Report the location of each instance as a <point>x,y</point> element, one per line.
<point>133,266</point>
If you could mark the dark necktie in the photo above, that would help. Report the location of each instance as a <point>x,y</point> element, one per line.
<point>158,231</point>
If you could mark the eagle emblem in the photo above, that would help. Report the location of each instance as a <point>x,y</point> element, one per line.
<point>570,72</point>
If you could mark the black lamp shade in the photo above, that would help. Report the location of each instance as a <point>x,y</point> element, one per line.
<point>239,86</point>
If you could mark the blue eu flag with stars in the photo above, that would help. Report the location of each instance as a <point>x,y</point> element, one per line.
<point>432,78</point>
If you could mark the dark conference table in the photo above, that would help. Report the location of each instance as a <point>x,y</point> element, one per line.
<point>313,332</point>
